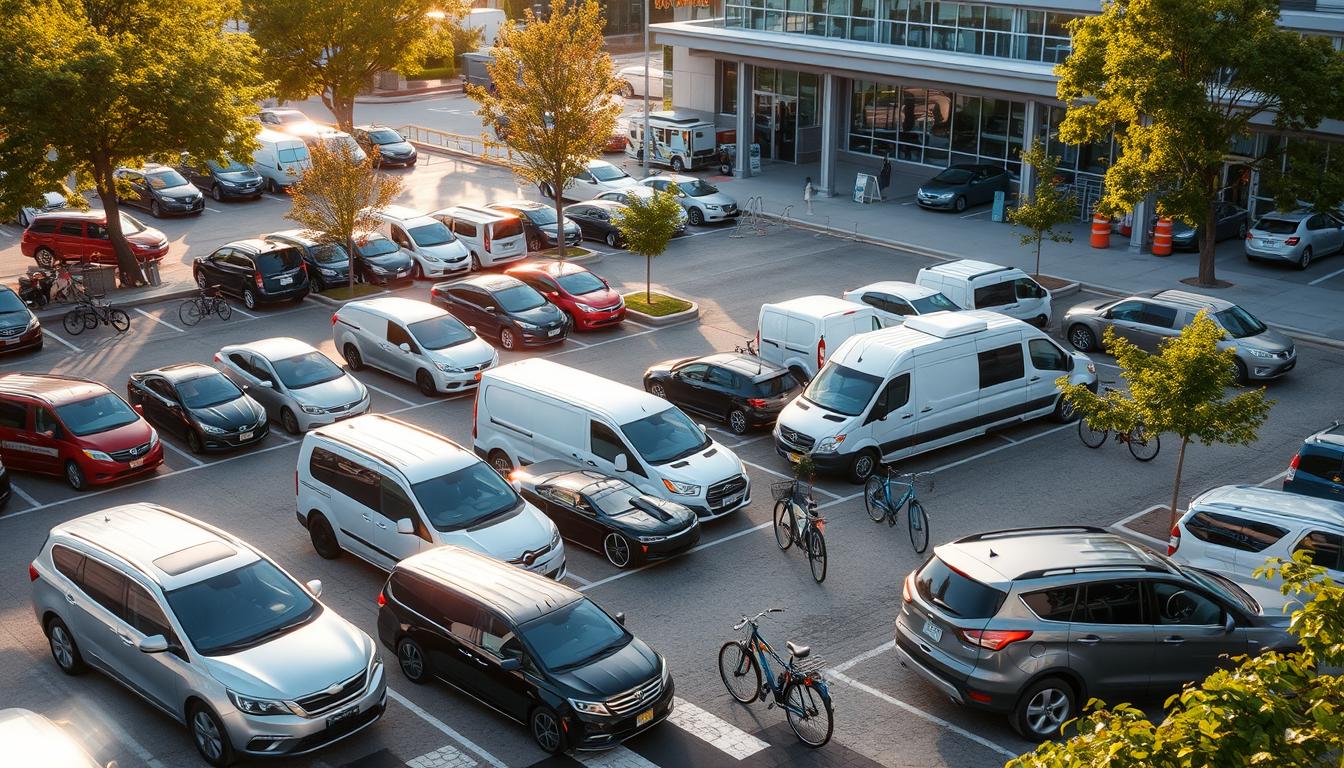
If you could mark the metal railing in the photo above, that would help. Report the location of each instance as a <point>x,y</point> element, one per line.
<point>475,146</point>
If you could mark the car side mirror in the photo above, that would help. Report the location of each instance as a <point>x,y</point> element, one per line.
<point>112,764</point>
<point>140,409</point>
<point>620,618</point>
<point>153,644</point>
<point>510,665</point>
<point>516,485</point>
<point>621,463</point>
<point>703,429</point>
<point>314,587</point>
<point>1229,624</point>
<point>490,309</point>
<point>267,384</point>
<point>404,347</point>
<point>471,328</point>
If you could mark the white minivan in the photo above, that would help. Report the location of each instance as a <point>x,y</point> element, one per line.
<point>795,334</point>
<point>932,381</point>
<point>384,490</point>
<point>491,237</point>
<point>280,159</point>
<point>981,285</point>
<point>534,410</point>
<point>436,251</point>
<point>413,340</point>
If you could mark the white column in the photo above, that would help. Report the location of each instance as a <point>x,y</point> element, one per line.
<point>1029,128</point>
<point>1138,233</point>
<point>745,122</point>
<point>829,136</point>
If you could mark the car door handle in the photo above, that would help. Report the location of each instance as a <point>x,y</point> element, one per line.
<point>70,599</point>
<point>1089,640</point>
<point>382,525</point>
<point>926,409</point>
<point>367,519</point>
<point>908,416</point>
<point>1033,379</point>
<point>1173,640</point>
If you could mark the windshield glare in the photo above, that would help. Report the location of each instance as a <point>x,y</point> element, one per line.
<point>935,303</point>
<point>440,332</point>
<point>574,635</point>
<point>467,497</point>
<point>385,136</point>
<point>953,176</point>
<point>665,436</point>
<point>207,391</point>
<point>428,235</point>
<point>281,260</point>
<point>541,216</point>
<point>607,172</point>
<point>376,246</point>
<point>519,298</point>
<point>165,178</point>
<point>306,370</point>
<point>99,413</point>
<point>228,166</point>
<point>774,387</point>
<point>10,302</point>
<point>241,608</point>
<point>579,283</point>
<point>1276,226</point>
<point>328,253</point>
<point>1239,323</point>
<point>843,390</point>
<point>697,188</point>
<point>131,225</point>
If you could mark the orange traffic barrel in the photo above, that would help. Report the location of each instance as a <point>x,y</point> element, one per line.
<point>1162,237</point>
<point>1101,231</point>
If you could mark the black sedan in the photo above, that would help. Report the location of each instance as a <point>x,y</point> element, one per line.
<point>1233,222</point>
<point>387,147</point>
<point>19,327</point>
<point>380,261</point>
<point>504,308</point>
<point>608,515</point>
<point>963,185</point>
<point>199,404</point>
<point>229,180</point>
<point>741,390</point>
<point>597,220</point>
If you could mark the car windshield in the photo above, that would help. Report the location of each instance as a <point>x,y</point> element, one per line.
<point>935,303</point>
<point>99,413</point>
<point>470,496</point>
<point>385,136</point>
<point>697,187</point>
<point>306,370</point>
<point>289,116</point>
<point>775,386</point>
<point>241,608</point>
<point>956,593</point>
<point>607,172</point>
<point>954,176</point>
<point>228,166</point>
<point>1222,586</point>
<point>208,391</point>
<point>328,253</point>
<point>579,283</point>
<point>541,216</point>
<point>428,235</point>
<point>441,332</point>
<point>519,298</point>
<point>1239,323</point>
<point>165,178</point>
<point>377,246</point>
<point>1276,226</point>
<point>131,225</point>
<point>279,260</point>
<point>613,497</point>
<point>293,154</point>
<point>10,302</point>
<point>843,390</point>
<point>665,436</point>
<point>574,635</point>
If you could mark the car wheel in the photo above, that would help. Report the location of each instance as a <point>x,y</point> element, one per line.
<point>211,740</point>
<point>289,421</point>
<point>249,298</point>
<point>216,193</point>
<point>613,239</point>
<point>658,390</point>
<point>960,204</point>
<point>1064,411</point>
<point>417,271</point>
<point>617,549</point>
<point>1241,231</point>
<point>64,649</point>
<point>475,263</point>
<point>272,187</point>
<point>425,383</point>
<point>862,466</point>
<point>75,476</point>
<point>45,257</point>
<point>501,462</point>
<point>533,244</point>
<point>194,443</point>
<point>320,532</point>
<point>627,90</point>
<point>1243,376</point>
<point>737,421</point>
<point>411,658</point>
<point>317,285</point>
<point>155,210</point>
<point>677,165</point>
<point>352,357</point>
<point>506,338</point>
<point>1304,260</point>
<point>695,216</point>
<point>545,727</point>
<point>201,282</point>
<point>1044,709</point>
<point>800,376</point>
<point>546,190</point>
<point>1082,338</point>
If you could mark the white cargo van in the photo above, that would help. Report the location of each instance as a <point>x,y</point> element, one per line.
<point>981,285</point>
<point>932,381</point>
<point>534,410</point>
<point>795,334</point>
<point>280,159</point>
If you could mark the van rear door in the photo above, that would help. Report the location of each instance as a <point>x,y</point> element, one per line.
<point>771,327</point>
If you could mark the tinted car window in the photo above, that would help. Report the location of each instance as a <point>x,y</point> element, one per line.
<point>1111,602</point>
<point>441,332</point>
<point>428,235</point>
<point>104,586</point>
<point>605,443</point>
<point>470,496</point>
<point>43,227</point>
<point>894,395</point>
<point>574,635</point>
<point>720,378</point>
<point>956,594</point>
<point>579,283</point>
<point>1000,365</point>
<point>1234,532</point>
<point>509,227</point>
<point>934,303</point>
<point>1127,311</point>
<point>241,608</point>
<point>208,391</point>
<point>773,387</point>
<point>384,136</point>
<point>996,295</point>
<point>464,228</point>
<point>68,562</point>
<point>665,436</point>
<point>306,370</point>
<point>519,298</point>
<point>376,246</point>
<point>15,416</point>
<point>1325,549</point>
<point>1176,604</point>
<point>1045,356</point>
<point>1239,323</point>
<point>165,178</point>
<point>281,260</point>
<point>345,476</point>
<point>1052,604</point>
<point>1027,289</point>
<point>144,613</point>
<point>99,413</point>
<point>1158,316</point>
<point>1276,226</point>
<point>398,336</point>
<point>72,228</point>
<point>1318,464</point>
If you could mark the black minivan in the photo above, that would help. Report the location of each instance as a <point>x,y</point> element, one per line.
<point>256,271</point>
<point>531,648</point>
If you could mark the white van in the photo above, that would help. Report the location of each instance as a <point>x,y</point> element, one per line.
<point>280,159</point>
<point>491,237</point>
<point>981,285</point>
<point>384,490</point>
<point>932,381</point>
<point>796,334</point>
<point>437,252</point>
<point>534,410</point>
<point>331,138</point>
<point>680,142</point>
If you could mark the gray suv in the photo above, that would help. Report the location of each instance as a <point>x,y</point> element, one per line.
<point>207,629</point>
<point>1034,622</point>
<point>1150,317</point>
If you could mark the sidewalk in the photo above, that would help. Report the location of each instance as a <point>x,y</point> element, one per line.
<point>1278,295</point>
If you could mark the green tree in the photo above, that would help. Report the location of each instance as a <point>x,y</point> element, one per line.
<point>1275,709</point>
<point>338,197</point>
<point>1180,390</point>
<point>552,98</point>
<point>101,85</point>
<point>647,225</point>
<point>1180,81</point>
<point>1048,206</point>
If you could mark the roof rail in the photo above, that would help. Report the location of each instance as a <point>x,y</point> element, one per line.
<point>1099,568</point>
<point>1038,531</point>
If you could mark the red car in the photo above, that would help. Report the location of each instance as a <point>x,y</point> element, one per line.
<point>82,236</point>
<point>73,428</point>
<point>585,297</point>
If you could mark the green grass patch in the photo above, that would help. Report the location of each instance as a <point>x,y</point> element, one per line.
<point>432,73</point>
<point>661,306</point>
<point>344,293</point>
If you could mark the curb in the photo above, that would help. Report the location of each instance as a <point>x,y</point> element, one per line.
<point>404,98</point>
<point>676,318</point>
<point>592,257</point>
<point>330,302</point>
<point>55,314</point>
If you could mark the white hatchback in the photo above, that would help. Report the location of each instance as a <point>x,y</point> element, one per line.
<point>600,176</point>
<point>895,300</point>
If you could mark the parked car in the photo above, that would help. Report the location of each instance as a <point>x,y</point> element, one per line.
<point>1297,238</point>
<point>962,185</point>
<point>1317,469</point>
<point>380,261</point>
<point>281,158</point>
<point>433,492</point>
<point>159,189</point>
<point>198,404</point>
<point>285,120</point>
<point>31,739</point>
<point>412,340</point>
<point>51,201</point>
<point>328,263</point>
<point>597,221</point>
<point>600,176</point>
<point>530,648</point>
<point>740,390</point>
<point>703,201</point>
<point>333,139</point>
<point>226,180</point>
<point>73,428</point>
<point>1232,222</point>
<point>257,271</point>
<point>586,299</point>
<point>632,81</point>
<point>894,300</point>
<point>5,489</point>
<point>491,236</point>
<point>538,222</point>
<point>623,196</point>
<point>82,236</point>
<point>1150,317</point>
<point>505,308</point>
<point>387,147</point>
<point>297,385</point>
<point>972,284</point>
<point>436,251</point>
<point>207,629</point>
<point>1034,622</point>
<point>20,330</point>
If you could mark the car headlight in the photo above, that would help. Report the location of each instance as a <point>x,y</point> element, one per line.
<point>830,444</point>
<point>1259,352</point>
<point>431,257</point>
<point>254,706</point>
<point>590,707</point>
<point>555,536</point>
<point>945,196</point>
<point>377,270</point>
<point>313,409</point>
<point>327,272</point>
<point>446,368</point>
<point>584,307</point>
<point>680,488</point>
<point>666,673</point>
<point>226,183</point>
<point>212,429</point>
<point>97,455</point>
<point>711,207</point>
<point>528,326</point>
<point>153,438</point>
<point>651,539</point>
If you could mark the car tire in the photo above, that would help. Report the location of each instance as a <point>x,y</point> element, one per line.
<point>216,194</point>
<point>862,466</point>
<point>618,550</point>
<point>425,383</point>
<point>1044,708</point>
<point>64,649</point>
<point>658,390</point>
<point>45,258</point>
<point>249,298</point>
<point>475,263</point>
<point>1064,413</point>
<point>317,285</point>
<point>417,271</point>
<point>737,421</point>
<point>695,216</point>
<point>959,204</point>
<point>613,239</point>
<point>1242,375</point>
<point>289,421</point>
<point>799,375</point>
<point>209,736</point>
<point>507,339</point>
<point>546,190</point>
<point>500,462</point>
<point>1082,338</point>
<point>1304,260</point>
<point>75,476</point>
<point>201,282</point>
<point>194,443</point>
<point>272,187</point>
<point>323,537</point>
<point>677,165</point>
<point>155,210</point>
<point>411,659</point>
<point>534,244</point>
<point>1241,231</point>
<point>544,726</point>
<point>353,360</point>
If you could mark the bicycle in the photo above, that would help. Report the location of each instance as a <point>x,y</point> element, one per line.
<point>790,502</point>
<point>1137,438</point>
<point>205,303</point>
<point>877,499</point>
<point>90,312</point>
<point>799,689</point>
<point>68,287</point>
<point>750,349</point>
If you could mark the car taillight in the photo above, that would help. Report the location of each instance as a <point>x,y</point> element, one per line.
<point>1292,467</point>
<point>485,241</point>
<point>32,572</point>
<point>821,353</point>
<point>1249,236</point>
<point>474,402</point>
<point>216,357</point>
<point>382,599</point>
<point>434,292</point>
<point>333,318</point>
<point>1292,240</point>
<point>303,267</point>
<point>1174,542</point>
<point>257,276</point>
<point>756,402</point>
<point>993,639</point>
<point>908,588</point>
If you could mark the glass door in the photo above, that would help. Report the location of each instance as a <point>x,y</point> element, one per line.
<point>764,131</point>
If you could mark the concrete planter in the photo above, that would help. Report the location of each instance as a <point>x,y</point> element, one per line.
<point>1059,287</point>
<point>676,318</point>
<point>322,298</point>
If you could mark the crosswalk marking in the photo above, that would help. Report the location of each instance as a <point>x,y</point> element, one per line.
<point>446,756</point>
<point>620,757</point>
<point>719,733</point>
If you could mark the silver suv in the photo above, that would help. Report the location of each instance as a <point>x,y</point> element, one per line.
<point>1033,622</point>
<point>206,628</point>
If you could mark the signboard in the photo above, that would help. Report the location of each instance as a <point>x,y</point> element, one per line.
<point>666,5</point>
<point>866,189</point>
<point>755,158</point>
<point>999,200</point>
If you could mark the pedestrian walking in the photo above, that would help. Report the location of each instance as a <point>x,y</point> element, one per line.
<point>808,193</point>
<point>884,175</point>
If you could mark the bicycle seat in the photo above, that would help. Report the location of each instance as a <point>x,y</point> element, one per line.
<point>798,651</point>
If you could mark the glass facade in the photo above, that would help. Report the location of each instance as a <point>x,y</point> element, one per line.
<point>784,103</point>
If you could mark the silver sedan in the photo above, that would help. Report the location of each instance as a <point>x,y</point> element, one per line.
<point>1296,238</point>
<point>298,386</point>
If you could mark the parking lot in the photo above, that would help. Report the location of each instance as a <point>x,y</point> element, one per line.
<point>1032,474</point>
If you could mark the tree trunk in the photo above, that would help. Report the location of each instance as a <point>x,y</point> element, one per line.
<point>1176,489</point>
<point>350,252</point>
<point>1208,232</point>
<point>648,280</point>
<point>340,107</point>
<point>558,187</point>
<point>1038,253</point>
<point>127,265</point>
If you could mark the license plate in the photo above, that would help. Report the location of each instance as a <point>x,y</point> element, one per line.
<point>1264,243</point>
<point>286,280</point>
<point>14,340</point>
<point>731,500</point>
<point>795,457</point>
<point>553,332</point>
<point>934,631</point>
<point>137,463</point>
<point>644,717</point>
<point>343,715</point>
<point>245,436</point>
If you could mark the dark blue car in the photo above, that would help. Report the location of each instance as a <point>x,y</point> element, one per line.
<point>1318,467</point>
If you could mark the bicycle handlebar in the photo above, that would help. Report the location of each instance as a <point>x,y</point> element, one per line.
<point>745,621</point>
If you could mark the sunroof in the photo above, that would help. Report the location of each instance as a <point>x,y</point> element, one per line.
<point>192,558</point>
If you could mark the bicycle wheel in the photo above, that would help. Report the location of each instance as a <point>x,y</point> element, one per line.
<point>809,714</point>
<point>90,318</point>
<point>918,521</point>
<point>119,320</point>
<point>74,321</point>
<point>1091,437</point>
<point>875,498</point>
<point>1142,445</point>
<point>221,307</point>
<point>816,555</point>
<point>189,312</point>
<point>740,672</point>
<point>784,524</point>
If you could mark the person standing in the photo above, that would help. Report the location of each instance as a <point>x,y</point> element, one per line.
<point>808,193</point>
<point>884,175</point>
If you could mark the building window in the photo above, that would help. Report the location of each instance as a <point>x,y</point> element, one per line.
<point>727,87</point>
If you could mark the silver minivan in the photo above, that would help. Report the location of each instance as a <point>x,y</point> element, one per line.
<point>207,629</point>
<point>413,340</point>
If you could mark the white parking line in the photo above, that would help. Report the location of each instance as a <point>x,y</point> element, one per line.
<point>1323,278</point>
<point>715,731</point>
<point>242,312</point>
<point>862,657</point>
<point>983,454</point>
<point>449,732</point>
<point>977,213</point>
<point>578,578</point>
<point>620,757</point>
<point>580,344</point>
<point>57,337</point>
<point>606,341</point>
<point>161,321</point>
<point>767,470</point>
<point>269,196</point>
<point>381,391</point>
<point>216,210</point>
<point>181,452</point>
<point>628,321</point>
<point>23,494</point>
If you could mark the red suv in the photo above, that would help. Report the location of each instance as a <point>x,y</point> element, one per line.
<point>78,428</point>
<point>82,236</point>
<point>585,297</point>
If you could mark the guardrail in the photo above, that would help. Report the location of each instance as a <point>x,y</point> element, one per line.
<point>474,146</point>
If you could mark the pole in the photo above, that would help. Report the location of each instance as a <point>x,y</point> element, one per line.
<point>645,152</point>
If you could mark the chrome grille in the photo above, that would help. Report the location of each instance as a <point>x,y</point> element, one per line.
<point>722,490</point>
<point>636,698</point>
<point>130,454</point>
<point>792,438</point>
<point>323,701</point>
<point>15,331</point>
<point>342,408</point>
<point>530,558</point>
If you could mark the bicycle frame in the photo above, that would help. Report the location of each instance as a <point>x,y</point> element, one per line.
<point>894,507</point>
<point>764,652</point>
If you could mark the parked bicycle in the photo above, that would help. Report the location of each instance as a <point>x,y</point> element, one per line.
<point>90,312</point>
<point>207,302</point>
<point>878,499</point>
<point>1143,445</point>
<point>68,287</point>
<point>794,502</point>
<point>750,349</point>
<point>799,688</point>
